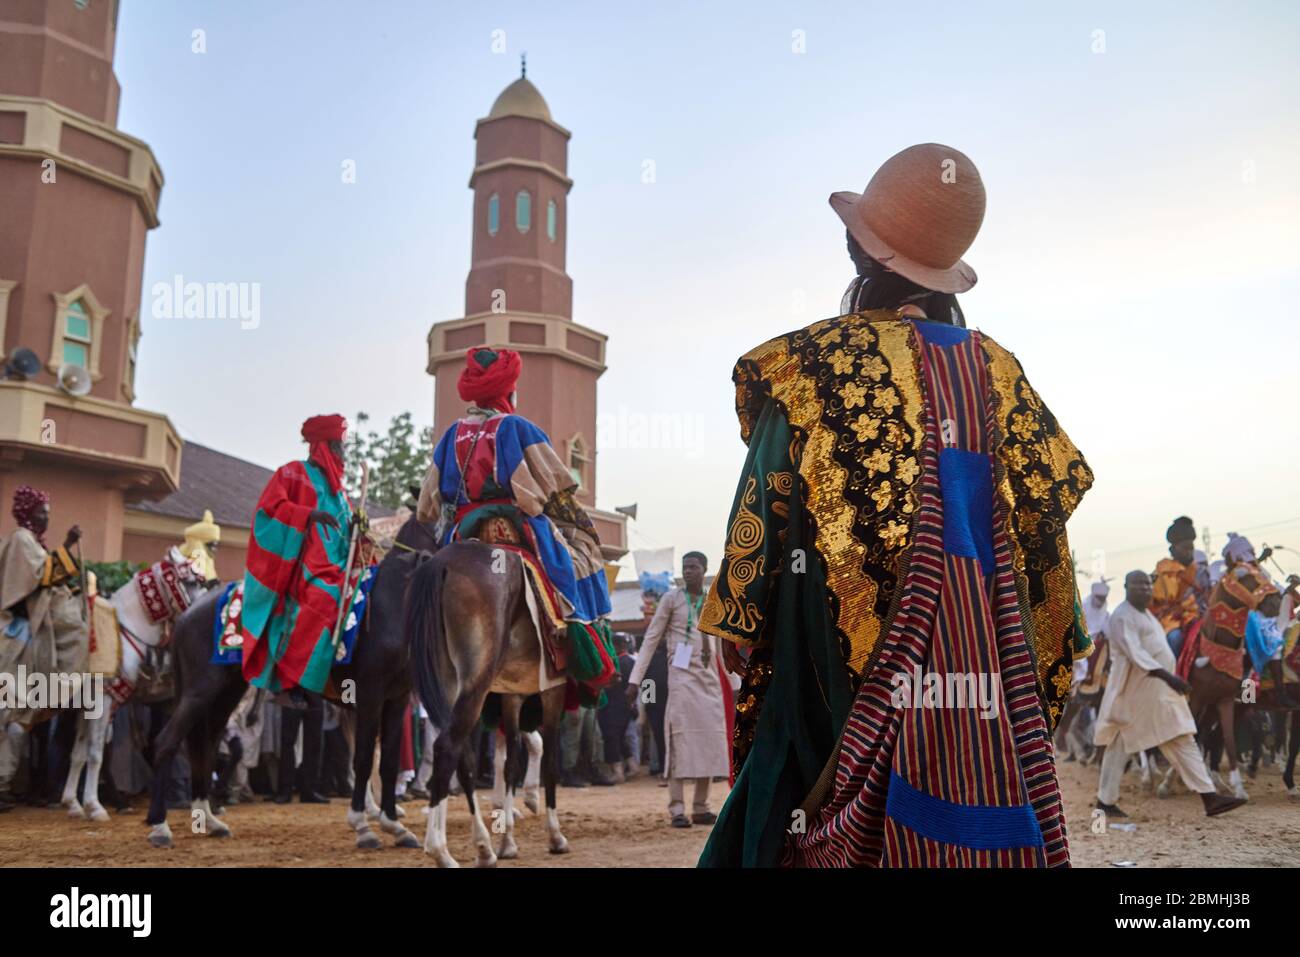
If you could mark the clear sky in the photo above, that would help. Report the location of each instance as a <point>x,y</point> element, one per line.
<point>1139,253</point>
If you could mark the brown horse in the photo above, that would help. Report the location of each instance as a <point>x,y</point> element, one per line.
<point>472,634</point>
<point>1217,684</point>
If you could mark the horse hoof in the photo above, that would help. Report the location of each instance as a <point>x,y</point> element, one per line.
<point>1162,791</point>
<point>401,811</point>
<point>560,847</point>
<point>160,840</point>
<point>408,840</point>
<point>1293,794</point>
<point>509,850</point>
<point>99,815</point>
<point>369,841</point>
<point>486,860</point>
<point>531,802</point>
<point>443,859</point>
<point>220,830</point>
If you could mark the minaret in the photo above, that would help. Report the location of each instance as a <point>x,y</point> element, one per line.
<point>518,295</point>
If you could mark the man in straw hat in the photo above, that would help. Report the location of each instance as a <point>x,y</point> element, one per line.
<point>900,514</point>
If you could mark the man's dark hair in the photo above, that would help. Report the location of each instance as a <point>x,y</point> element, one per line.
<point>882,289</point>
<point>704,560</point>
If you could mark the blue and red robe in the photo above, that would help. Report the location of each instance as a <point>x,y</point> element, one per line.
<point>508,460</point>
<point>293,581</point>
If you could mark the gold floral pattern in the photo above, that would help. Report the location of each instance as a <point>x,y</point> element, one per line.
<point>1038,484</point>
<point>865,427</point>
<point>882,496</point>
<point>1023,425</point>
<point>894,534</point>
<point>853,394</point>
<point>885,399</point>
<point>873,367</point>
<point>907,470</point>
<point>860,425</point>
<point>842,362</point>
<point>1041,476</point>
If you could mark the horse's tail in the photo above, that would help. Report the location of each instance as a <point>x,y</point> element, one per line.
<point>429,659</point>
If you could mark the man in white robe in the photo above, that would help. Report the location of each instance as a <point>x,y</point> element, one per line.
<point>695,724</point>
<point>1145,705</point>
<point>43,628</point>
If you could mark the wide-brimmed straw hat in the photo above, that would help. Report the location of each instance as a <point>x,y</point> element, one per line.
<point>919,215</point>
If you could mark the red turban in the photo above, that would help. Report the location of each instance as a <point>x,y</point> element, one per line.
<point>325,428</point>
<point>320,431</point>
<point>27,501</point>
<point>489,378</point>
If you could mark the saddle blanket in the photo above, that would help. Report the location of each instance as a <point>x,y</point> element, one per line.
<point>227,641</point>
<point>105,640</point>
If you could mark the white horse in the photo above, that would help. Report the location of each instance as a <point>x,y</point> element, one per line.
<point>140,630</point>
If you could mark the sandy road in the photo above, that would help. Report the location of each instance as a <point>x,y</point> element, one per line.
<point>627,826</point>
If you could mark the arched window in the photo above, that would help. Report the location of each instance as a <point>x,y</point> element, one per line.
<point>78,330</point>
<point>494,214</point>
<point>523,211</point>
<point>552,215</point>
<point>578,459</point>
<point>76,335</point>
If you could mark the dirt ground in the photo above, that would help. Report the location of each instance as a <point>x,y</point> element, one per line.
<point>627,826</point>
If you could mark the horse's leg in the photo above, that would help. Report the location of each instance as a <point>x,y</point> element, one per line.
<point>552,712</point>
<point>471,710</point>
<point>532,777</point>
<point>363,759</point>
<point>446,756</point>
<point>165,746</point>
<point>203,738</point>
<point>97,729</point>
<point>1288,776</point>
<point>513,747</point>
<point>76,761</point>
<point>498,774</point>
<point>394,713</point>
<point>1228,731</point>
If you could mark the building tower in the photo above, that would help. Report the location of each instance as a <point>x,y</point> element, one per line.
<point>518,295</point>
<point>78,197</point>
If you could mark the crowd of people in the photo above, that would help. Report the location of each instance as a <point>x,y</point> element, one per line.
<point>900,517</point>
<point>1132,700</point>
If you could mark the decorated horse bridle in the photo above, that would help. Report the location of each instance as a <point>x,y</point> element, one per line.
<point>161,592</point>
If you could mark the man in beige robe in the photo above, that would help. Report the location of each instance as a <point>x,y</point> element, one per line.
<point>1145,705</point>
<point>42,626</point>
<point>695,724</point>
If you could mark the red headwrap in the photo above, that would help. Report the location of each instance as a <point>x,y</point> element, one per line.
<point>26,502</point>
<point>320,431</point>
<point>489,377</point>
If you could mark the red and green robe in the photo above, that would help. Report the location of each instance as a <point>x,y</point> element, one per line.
<point>293,581</point>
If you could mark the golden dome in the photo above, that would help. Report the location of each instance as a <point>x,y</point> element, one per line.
<point>520,98</point>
